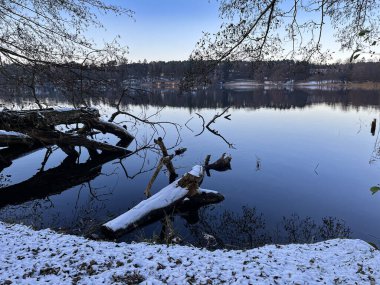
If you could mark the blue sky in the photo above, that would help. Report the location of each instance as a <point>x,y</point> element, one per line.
<point>161,29</point>
<point>169,29</point>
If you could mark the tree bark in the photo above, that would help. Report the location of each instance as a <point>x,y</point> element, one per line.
<point>26,119</point>
<point>39,126</point>
<point>14,138</point>
<point>59,138</point>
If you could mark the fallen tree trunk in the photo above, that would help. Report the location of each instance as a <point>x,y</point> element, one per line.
<point>8,138</point>
<point>108,127</point>
<point>165,200</point>
<point>22,120</point>
<point>62,139</point>
<point>38,126</point>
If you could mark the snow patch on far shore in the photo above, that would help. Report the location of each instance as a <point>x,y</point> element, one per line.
<point>41,257</point>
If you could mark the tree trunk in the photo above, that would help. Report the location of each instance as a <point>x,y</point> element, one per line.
<point>166,200</point>
<point>38,126</point>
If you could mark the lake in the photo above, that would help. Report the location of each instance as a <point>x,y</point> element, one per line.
<point>303,164</point>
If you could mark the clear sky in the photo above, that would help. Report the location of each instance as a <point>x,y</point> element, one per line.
<point>161,29</point>
<point>169,29</point>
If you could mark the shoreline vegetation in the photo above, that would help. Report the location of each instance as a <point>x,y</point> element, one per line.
<point>28,256</point>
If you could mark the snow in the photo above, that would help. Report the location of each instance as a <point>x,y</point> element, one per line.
<point>13,134</point>
<point>196,171</point>
<point>207,191</point>
<point>46,257</point>
<point>162,199</point>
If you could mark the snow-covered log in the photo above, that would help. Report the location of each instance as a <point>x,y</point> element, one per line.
<point>166,199</point>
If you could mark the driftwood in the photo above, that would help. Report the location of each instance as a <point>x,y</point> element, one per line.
<point>173,196</point>
<point>38,127</point>
<point>222,164</point>
<point>161,163</point>
<point>165,160</point>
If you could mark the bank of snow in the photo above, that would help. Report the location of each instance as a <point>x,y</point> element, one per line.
<point>41,257</point>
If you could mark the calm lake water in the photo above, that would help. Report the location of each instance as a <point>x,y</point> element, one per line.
<point>303,164</point>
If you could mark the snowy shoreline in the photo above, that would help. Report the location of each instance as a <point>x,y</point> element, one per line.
<point>46,257</point>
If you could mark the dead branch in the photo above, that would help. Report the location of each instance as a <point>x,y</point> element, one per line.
<point>109,127</point>
<point>67,141</point>
<point>222,164</point>
<point>215,117</point>
<point>153,178</point>
<point>165,160</point>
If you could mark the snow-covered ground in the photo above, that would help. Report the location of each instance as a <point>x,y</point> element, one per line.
<point>46,257</point>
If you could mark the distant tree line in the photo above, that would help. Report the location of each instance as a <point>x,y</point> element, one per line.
<point>78,82</point>
<point>283,70</point>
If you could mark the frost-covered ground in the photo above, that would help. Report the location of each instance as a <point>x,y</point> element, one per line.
<point>46,257</point>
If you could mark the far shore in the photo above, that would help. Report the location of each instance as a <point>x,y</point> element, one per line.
<point>323,85</point>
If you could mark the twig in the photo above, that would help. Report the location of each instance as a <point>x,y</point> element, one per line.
<point>215,117</point>
<point>153,178</point>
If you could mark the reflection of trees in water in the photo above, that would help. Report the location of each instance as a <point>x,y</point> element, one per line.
<point>30,213</point>
<point>37,200</point>
<point>217,98</point>
<point>258,98</point>
<point>83,218</point>
<point>248,229</point>
<point>307,231</point>
<point>5,180</point>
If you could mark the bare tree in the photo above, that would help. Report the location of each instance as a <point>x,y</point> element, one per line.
<point>275,29</point>
<point>53,31</point>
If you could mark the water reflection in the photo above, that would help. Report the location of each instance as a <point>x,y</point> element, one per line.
<point>54,181</point>
<point>276,161</point>
<point>248,229</point>
<point>216,98</point>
